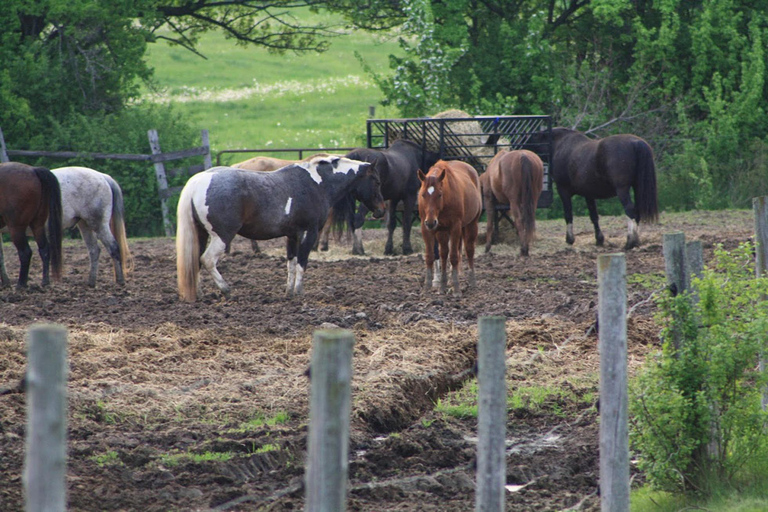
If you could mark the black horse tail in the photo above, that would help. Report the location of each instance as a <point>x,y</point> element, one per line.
<point>645,190</point>
<point>343,215</point>
<point>52,196</point>
<point>527,201</point>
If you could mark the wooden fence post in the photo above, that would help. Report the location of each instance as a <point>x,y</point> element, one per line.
<point>674,266</point>
<point>162,182</point>
<point>45,466</point>
<point>614,430</point>
<point>329,410</point>
<point>760,208</point>
<point>492,415</point>
<point>207,163</point>
<point>3,151</point>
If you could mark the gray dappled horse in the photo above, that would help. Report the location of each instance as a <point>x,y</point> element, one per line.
<point>292,201</point>
<point>93,201</point>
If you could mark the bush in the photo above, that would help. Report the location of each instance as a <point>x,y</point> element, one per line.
<point>696,415</point>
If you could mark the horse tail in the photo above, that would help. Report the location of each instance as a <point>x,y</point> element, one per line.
<point>527,201</point>
<point>645,190</point>
<point>52,195</point>
<point>343,215</point>
<point>187,247</point>
<point>117,225</point>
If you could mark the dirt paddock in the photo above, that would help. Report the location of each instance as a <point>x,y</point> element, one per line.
<point>204,406</point>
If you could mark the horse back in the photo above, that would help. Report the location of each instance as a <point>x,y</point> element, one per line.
<point>465,184</point>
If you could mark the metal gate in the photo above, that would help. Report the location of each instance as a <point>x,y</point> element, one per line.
<point>474,140</point>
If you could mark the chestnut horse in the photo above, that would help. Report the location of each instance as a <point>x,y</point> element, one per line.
<point>450,205</point>
<point>515,178</point>
<point>30,196</point>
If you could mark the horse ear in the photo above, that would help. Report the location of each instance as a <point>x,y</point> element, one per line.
<point>442,175</point>
<point>422,177</point>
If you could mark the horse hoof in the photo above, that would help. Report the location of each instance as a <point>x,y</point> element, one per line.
<point>324,247</point>
<point>389,252</point>
<point>569,240</point>
<point>358,251</point>
<point>524,251</point>
<point>631,244</point>
<point>407,251</point>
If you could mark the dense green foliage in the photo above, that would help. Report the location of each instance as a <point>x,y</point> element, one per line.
<point>696,406</point>
<point>687,76</point>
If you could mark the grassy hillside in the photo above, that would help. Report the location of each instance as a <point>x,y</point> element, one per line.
<point>249,98</point>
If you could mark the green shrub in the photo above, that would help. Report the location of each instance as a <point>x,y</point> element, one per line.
<point>710,387</point>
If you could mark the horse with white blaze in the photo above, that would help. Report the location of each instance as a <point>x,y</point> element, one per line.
<point>293,202</point>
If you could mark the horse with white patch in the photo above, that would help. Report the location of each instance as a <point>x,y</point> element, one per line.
<point>293,202</point>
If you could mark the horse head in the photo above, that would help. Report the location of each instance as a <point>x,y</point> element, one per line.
<point>367,190</point>
<point>431,196</point>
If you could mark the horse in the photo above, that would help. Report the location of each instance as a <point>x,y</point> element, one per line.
<point>93,202</point>
<point>398,167</point>
<point>515,178</point>
<point>30,197</point>
<point>601,169</point>
<point>292,201</point>
<point>450,205</point>
<point>268,164</point>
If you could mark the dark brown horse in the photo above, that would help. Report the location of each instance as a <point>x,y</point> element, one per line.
<point>514,178</point>
<point>30,196</point>
<point>601,169</point>
<point>450,205</point>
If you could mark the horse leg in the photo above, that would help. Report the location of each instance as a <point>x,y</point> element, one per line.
<point>565,197</point>
<point>291,250</point>
<point>444,238</point>
<point>310,237</point>
<point>4,279</point>
<point>19,238</point>
<point>209,259</point>
<point>408,208</point>
<point>470,239</point>
<point>633,235</point>
<point>93,252</point>
<point>44,250</point>
<point>490,220</point>
<point>255,247</point>
<point>389,249</point>
<point>108,239</point>
<point>357,231</point>
<point>592,206</point>
<point>429,259</point>
<point>325,232</point>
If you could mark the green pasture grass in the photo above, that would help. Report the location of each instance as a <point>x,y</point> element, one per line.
<point>292,100</point>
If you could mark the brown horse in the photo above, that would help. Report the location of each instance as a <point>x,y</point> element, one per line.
<point>30,196</point>
<point>450,205</point>
<point>514,178</point>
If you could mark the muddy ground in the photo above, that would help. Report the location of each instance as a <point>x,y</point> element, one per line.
<point>204,406</point>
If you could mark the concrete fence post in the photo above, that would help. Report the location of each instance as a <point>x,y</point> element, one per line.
<point>492,415</point>
<point>614,430</point>
<point>329,411</point>
<point>45,464</point>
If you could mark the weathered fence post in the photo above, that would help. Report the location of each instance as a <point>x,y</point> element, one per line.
<point>45,466</point>
<point>675,269</point>
<point>207,163</point>
<point>760,208</point>
<point>329,410</point>
<point>614,430</point>
<point>162,182</point>
<point>492,415</point>
<point>3,151</point>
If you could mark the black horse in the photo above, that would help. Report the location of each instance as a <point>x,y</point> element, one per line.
<point>601,169</point>
<point>398,168</point>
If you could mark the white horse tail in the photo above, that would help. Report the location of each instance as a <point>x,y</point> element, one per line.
<point>117,226</point>
<point>187,247</point>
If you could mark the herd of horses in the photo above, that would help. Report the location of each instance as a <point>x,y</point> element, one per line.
<point>265,198</point>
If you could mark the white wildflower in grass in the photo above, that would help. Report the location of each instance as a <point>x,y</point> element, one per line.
<point>262,91</point>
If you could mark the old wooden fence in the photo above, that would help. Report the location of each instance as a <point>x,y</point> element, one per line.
<point>157,157</point>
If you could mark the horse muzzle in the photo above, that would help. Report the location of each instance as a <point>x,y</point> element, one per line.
<point>431,224</point>
<point>379,211</point>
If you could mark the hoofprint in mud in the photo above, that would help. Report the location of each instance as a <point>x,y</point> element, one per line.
<point>193,406</point>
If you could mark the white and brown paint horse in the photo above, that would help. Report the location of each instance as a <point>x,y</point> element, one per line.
<point>293,202</point>
<point>93,201</point>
